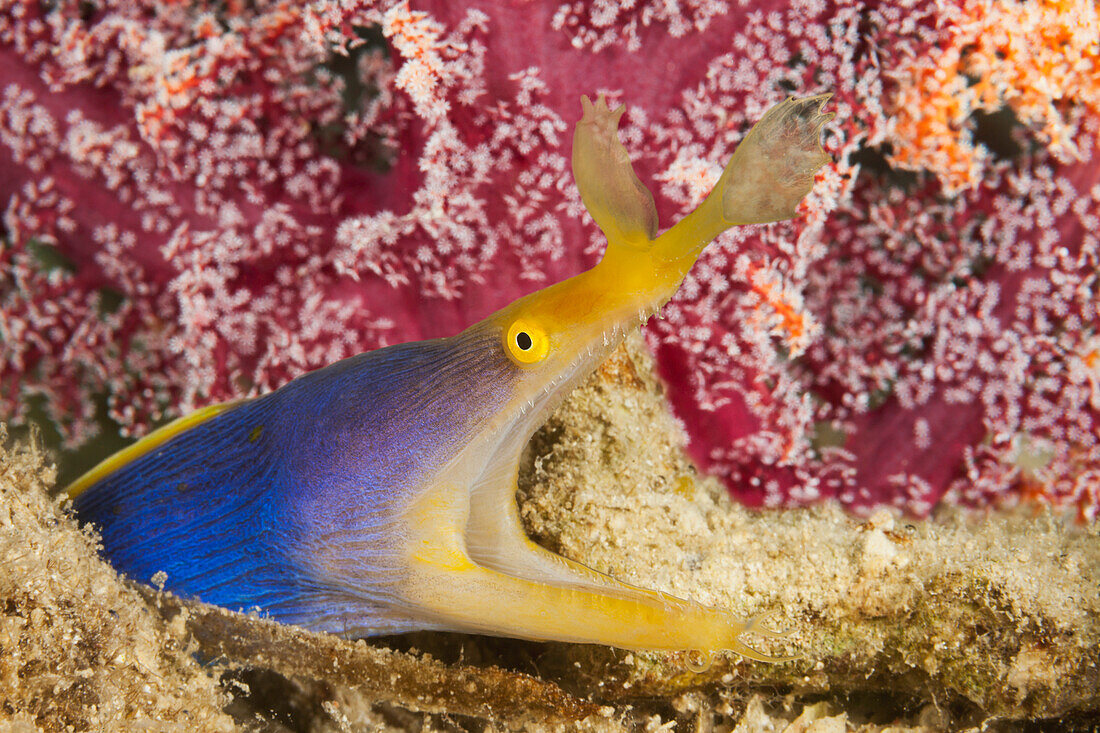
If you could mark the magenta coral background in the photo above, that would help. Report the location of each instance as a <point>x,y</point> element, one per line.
<point>243,192</point>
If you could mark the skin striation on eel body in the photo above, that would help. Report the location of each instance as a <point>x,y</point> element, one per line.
<point>377,495</point>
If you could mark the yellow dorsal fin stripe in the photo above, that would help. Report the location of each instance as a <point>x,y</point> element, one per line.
<point>147,444</point>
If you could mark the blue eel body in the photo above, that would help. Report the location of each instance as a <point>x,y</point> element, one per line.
<point>284,469</point>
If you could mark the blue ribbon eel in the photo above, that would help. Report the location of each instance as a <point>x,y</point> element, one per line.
<point>377,495</point>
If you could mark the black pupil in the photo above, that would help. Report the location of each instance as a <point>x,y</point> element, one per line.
<point>523,340</point>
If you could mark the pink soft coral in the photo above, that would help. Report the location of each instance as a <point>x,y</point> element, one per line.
<point>246,192</point>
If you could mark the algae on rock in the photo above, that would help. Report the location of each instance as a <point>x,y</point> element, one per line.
<point>78,649</point>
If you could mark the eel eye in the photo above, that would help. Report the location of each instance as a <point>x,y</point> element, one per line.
<point>526,343</point>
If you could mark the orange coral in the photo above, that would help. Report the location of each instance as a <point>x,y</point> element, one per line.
<point>788,318</point>
<point>1040,59</point>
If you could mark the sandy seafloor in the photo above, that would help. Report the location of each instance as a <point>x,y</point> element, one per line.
<point>965,621</point>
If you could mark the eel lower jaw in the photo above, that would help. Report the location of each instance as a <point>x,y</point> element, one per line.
<point>524,591</point>
<point>506,584</point>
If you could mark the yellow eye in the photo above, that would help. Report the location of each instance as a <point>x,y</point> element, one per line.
<point>526,343</point>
